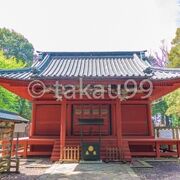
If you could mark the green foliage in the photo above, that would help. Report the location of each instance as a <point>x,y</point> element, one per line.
<point>176,121</point>
<point>159,107</point>
<point>170,104</point>
<point>16,45</point>
<point>173,99</point>
<point>176,40</point>
<point>174,55</point>
<point>24,108</point>
<point>173,102</point>
<point>8,100</point>
<point>10,63</point>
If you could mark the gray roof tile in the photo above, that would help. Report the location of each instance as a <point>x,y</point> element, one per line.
<point>10,116</point>
<point>91,65</point>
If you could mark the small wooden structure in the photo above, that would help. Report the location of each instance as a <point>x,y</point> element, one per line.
<point>7,123</point>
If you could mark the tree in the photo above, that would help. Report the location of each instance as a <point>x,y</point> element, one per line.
<point>159,107</point>
<point>160,58</point>
<point>176,40</point>
<point>16,45</point>
<point>9,63</point>
<point>174,55</point>
<point>170,104</point>
<point>8,100</point>
<point>173,99</point>
<point>15,51</point>
<point>173,102</point>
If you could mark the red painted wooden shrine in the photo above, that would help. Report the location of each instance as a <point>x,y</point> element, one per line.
<point>109,128</point>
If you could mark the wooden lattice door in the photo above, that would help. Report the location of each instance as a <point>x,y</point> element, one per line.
<point>91,111</point>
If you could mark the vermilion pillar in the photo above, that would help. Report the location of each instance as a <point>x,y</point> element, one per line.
<point>62,128</point>
<point>150,124</point>
<point>33,122</point>
<point>119,122</point>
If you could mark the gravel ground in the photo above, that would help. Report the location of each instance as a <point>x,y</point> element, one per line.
<point>160,170</point>
<point>32,169</point>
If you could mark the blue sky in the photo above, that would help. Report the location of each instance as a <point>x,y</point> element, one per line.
<point>92,25</point>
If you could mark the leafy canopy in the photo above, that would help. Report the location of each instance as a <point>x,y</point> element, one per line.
<point>8,100</point>
<point>173,99</point>
<point>174,55</point>
<point>170,104</point>
<point>10,63</point>
<point>16,45</point>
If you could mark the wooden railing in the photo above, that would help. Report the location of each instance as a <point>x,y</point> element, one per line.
<point>25,144</point>
<point>71,153</point>
<point>157,146</point>
<point>113,154</point>
<point>172,133</point>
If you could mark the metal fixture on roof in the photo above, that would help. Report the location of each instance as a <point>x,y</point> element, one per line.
<point>148,70</point>
<point>40,55</point>
<point>35,72</point>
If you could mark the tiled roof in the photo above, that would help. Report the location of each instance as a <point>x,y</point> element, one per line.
<point>10,116</point>
<point>56,65</point>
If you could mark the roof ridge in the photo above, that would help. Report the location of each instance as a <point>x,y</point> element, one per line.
<point>10,112</point>
<point>15,70</point>
<point>88,57</point>
<point>165,68</point>
<point>94,53</point>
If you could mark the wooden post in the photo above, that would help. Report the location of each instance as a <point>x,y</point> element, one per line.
<point>68,128</point>
<point>150,124</point>
<point>178,148</point>
<point>113,119</point>
<point>177,133</point>
<point>25,149</point>
<point>158,133</point>
<point>62,128</point>
<point>178,137</point>
<point>157,150</point>
<point>173,132</point>
<point>17,144</point>
<point>119,122</point>
<point>32,125</point>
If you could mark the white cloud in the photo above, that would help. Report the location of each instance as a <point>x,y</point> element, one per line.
<point>91,25</point>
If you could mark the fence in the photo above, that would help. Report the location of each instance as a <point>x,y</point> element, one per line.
<point>113,154</point>
<point>71,153</point>
<point>165,132</point>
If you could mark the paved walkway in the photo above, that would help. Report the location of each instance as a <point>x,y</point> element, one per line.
<point>101,171</point>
